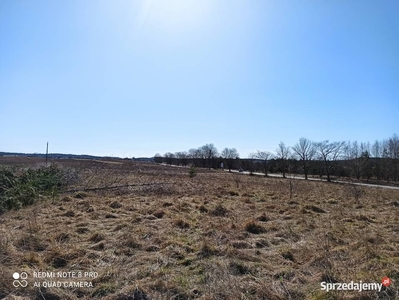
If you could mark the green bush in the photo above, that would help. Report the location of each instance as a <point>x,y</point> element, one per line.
<point>7,179</point>
<point>22,187</point>
<point>192,172</point>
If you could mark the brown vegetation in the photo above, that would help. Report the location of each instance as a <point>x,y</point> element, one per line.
<point>164,235</point>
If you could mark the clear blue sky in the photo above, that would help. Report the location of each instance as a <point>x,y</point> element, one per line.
<point>133,78</point>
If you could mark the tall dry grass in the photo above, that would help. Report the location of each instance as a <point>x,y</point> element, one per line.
<point>213,236</point>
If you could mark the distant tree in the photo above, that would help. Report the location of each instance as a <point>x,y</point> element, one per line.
<point>169,158</point>
<point>230,156</point>
<point>376,149</point>
<point>182,158</point>
<point>158,158</point>
<point>329,152</point>
<point>358,157</point>
<point>352,154</point>
<point>392,145</point>
<point>209,152</point>
<point>265,156</point>
<point>282,154</point>
<point>376,154</point>
<point>195,156</point>
<point>386,167</point>
<point>251,162</point>
<point>367,169</point>
<point>305,151</point>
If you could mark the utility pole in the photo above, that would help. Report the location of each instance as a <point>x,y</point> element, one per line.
<point>46,153</point>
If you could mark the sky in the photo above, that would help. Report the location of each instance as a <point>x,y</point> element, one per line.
<point>140,77</point>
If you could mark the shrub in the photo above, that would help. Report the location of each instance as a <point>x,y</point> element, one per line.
<point>43,179</point>
<point>192,172</point>
<point>22,187</point>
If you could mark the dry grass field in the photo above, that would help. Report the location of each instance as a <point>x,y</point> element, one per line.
<point>164,235</point>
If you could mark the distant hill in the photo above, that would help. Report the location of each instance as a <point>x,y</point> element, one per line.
<point>72,156</point>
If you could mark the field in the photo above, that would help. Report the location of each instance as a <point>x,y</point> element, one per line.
<point>148,231</point>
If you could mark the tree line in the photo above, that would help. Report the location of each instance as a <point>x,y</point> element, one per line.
<point>379,160</point>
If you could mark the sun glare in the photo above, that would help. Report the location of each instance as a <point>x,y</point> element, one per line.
<point>174,16</point>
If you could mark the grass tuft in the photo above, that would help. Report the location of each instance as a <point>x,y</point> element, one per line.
<point>181,223</point>
<point>253,227</point>
<point>219,211</point>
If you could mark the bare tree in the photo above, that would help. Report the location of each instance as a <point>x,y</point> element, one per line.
<point>376,149</point>
<point>357,158</point>
<point>329,152</point>
<point>392,146</point>
<point>182,158</point>
<point>352,153</point>
<point>376,152</point>
<point>366,164</point>
<point>209,152</point>
<point>230,155</point>
<point>305,151</point>
<point>282,154</point>
<point>251,162</point>
<point>265,156</point>
<point>195,156</point>
<point>169,158</point>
